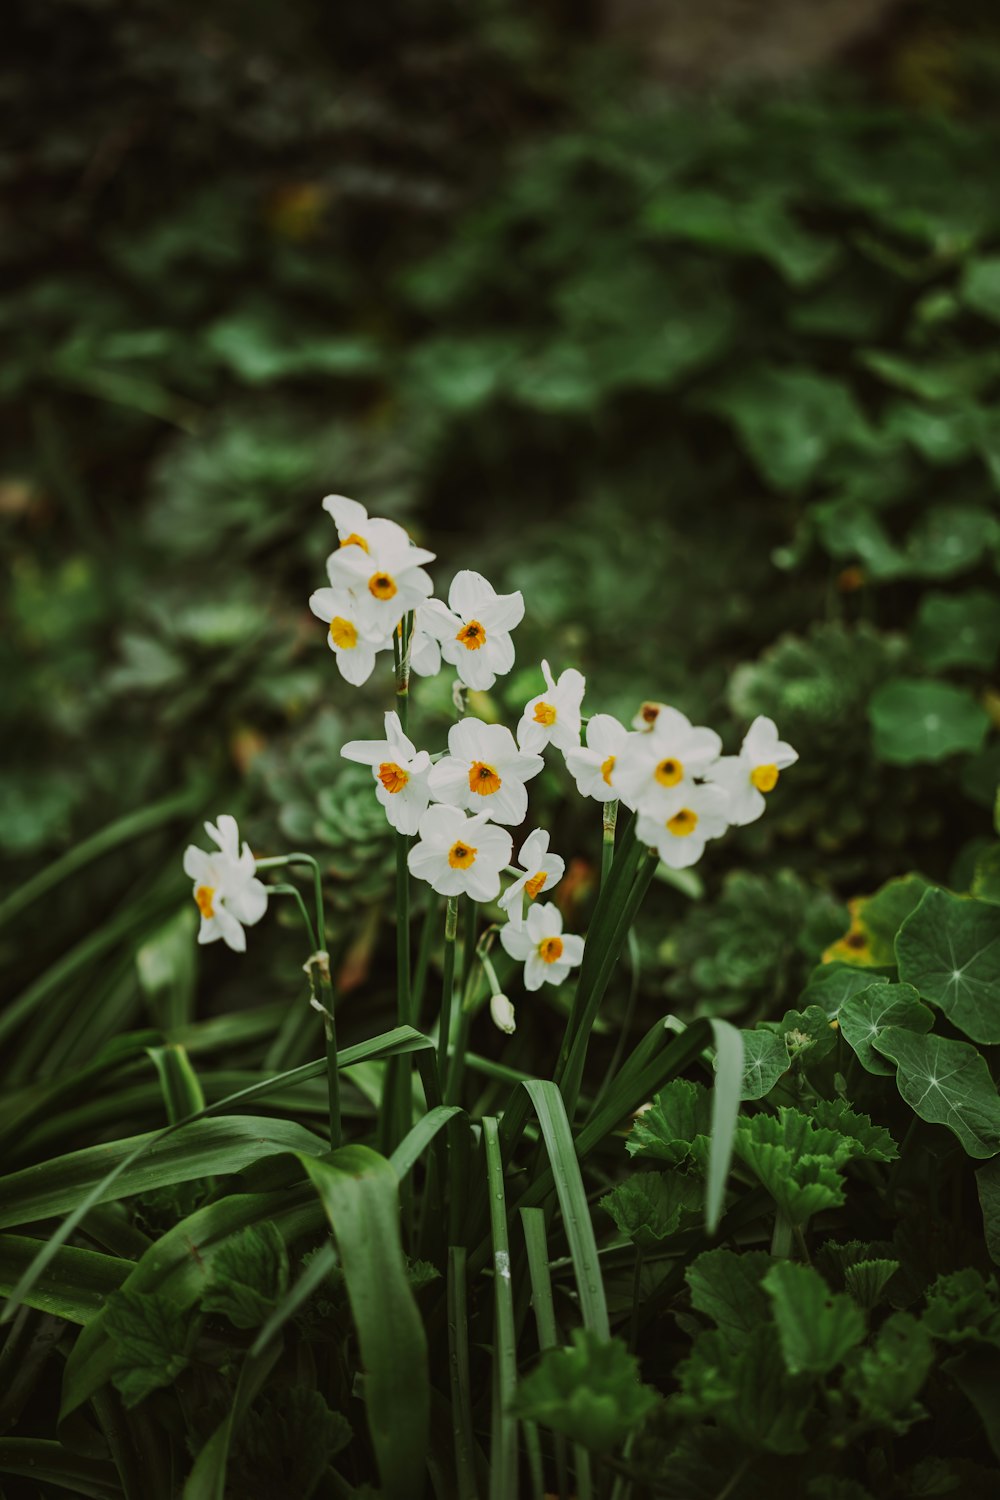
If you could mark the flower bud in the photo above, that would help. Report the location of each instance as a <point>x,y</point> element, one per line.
<point>502,1013</point>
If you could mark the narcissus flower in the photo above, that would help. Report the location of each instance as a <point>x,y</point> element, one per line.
<point>593,768</point>
<point>474,630</point>
<point>547,952</point>
<point>425,648</point>
<point>400,773</point>
<point>355,528</point>
<point>684,822</point>
<point>386,578</point>
<point>502,1014</point>
<point>749,776</point>
<point>542,871</point>
<point>485,772</point>
<point>553,718</point>
<point>354,645</point>
<point>651,765</point>
<point>226,889</point>
<point>460,855</point>
<point>647,715</point>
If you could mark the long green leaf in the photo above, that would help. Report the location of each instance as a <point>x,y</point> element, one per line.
<point>536,1244</point>
<point>46,1462</point>
<point>503,1436</point>
<point>461,1385</point>
<point>419,1137</point>
<point>74,1284</point>
<point>725,1109</point>
<point>360,1192</point>
<point>318,1269</point>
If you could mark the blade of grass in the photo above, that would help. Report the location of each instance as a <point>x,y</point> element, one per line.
<point>315,1273</point>
<point>74,1285</point>
<point>725,1109</point>
<point>416,1141</point>
<point>503,1435</point>
<point>458,1365</point>
<point>533,1224</point>
<point>46,1462</point>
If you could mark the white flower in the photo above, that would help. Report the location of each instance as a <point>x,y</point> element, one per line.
<point>752,773</point>
<point>684,823</point>
<point>502,1014</point>
<point>459,855</point>
<point>647,716</point>
<point>484,772</point>
<point>353,645</point>
<point>541,869</point>
<point>651,764</point>
<point>548,953</point>
<point>474,630</point>
<point>553,718</point>
<point>425,648</point>
<point>226,889</point>
<point>593,767</point>
<point>400,774</point>
<point>386,577</point>
<point>356,529</point>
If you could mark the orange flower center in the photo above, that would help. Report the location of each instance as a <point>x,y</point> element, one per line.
<point>392,777</point>
<point>682,823</point>
<point>343,634</point>
<point>550,949</point>
<point>650,712</point>
<point>355,541</point>
<point>460,856</point>
<point>203,895</point>
<point>545,713</point>
<point>607,767</point>
<point>534,885</point>
<point>669,772</point>
<point>472,636</point>
<point>764,778</point>
<point>382,585</point>
<point>483,779</point>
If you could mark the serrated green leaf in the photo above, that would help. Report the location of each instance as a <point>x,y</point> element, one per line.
<point>817,1327</point>
<point>865,1015</point>
<point>745,1388</point>
<point>591,1392</point>
<point>285,1444</point>
<point>680,1116</point>
<point>917,720</point>
<point>249,1276</point>
<point>946,1083</point>
<point>796,1161</point>
<point>726,1287</point>
<point>886,1378</point>
<point>650,1206</point>
<point>869,1140</point>
<point>963,1305</point>
<point>949,950</point>
<point>153,1340</point>
<point>866,1280</point>
<point>765,1059</point>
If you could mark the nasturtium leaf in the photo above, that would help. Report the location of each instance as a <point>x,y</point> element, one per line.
<point>946,1083</point>
<point>817,1327</point>
<point>830,984</point>
<point>745,1387</point>
<point>915,719</point>
<point>680,1114</point>
<point>949,539</point>
<point>886,1377</point>
<point>807,1033</point>
<point>849,529</point>
<point>875,920</point>
<point>591,1392</point>
<point>153,1339</point>
<point>963,1305</point>
<point>980,286</point>
<point>958,630</point>
<point>725,1285</point>
<point>865,1015</point>
<point>988,1187</point>
<point>650,1206</point>
<point>866,1280</point>
<point>765,1058</point>
<point>949,950</point>
<point>868,1140</point>
<point>986,879</point>
<point>249,1276</point>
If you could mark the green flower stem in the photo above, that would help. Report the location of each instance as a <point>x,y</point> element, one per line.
<point>296,895</point>
<point>781,1240</point>
<point>418,983</point>
<point>447,982</point>
<point>456,1068</point>
<point>608,845</point>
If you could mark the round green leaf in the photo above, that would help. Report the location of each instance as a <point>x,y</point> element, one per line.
<point>949,950</point>
<point>917,720</point>
<point>946,1083</point>
<point>958,630</point>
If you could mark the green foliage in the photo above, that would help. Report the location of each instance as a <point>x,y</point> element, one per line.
<point>249,1276</point>
<point>590,1392</point>
<point>651,1206</point>
<point>286,1444</point>
<point>949,951</point>
<point>864,1016</point>
<point>676,1126</point>
<point>153,1340</point>
<point>947,1083</point>
<point>816,1327</point>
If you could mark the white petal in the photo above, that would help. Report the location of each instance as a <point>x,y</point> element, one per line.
<point>502,614</point>
<point>535,970</point>
<point>448,782</point>
<point>469,592</point>
<point>516,942</point>
<point>232,933</point>
<point>348,515</point>
<point>572,953</point>
<point>248,902</point>
<point>502,1014</point>
<point>367,752</point>
<point>534,849</point>
<point>197,864</point>
<point>442,826</point>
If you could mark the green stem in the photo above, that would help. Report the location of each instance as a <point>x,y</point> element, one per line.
<point>608,845</point>
<point>456,1068</point>
<point>781,1240</point>
<point>447,982</point>
<point>633,1331</point>
<point>296,895</point>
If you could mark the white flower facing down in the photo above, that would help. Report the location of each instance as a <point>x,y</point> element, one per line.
<point>593,768</point>
<point>226,889</point>
<point>502,1014</point>
<point>474,629</point>
<point>460,855</point>
<point>651,765</point>
<point>647,715</point>
<point>553,718</point>
<point>542,870</point>
<point>682,825</point>
<point>485,772</point>
<point>386,578</point>
<point>400,773</point>
<point>747,777</point>
<point>355,528</point>
<point>353,644</point>
<point>546,951</point>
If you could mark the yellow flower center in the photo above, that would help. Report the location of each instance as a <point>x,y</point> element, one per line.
<point>550,949</point>
<point>669,772</point>
<point>682,823</point>
<point>483,779</point>
<point>607,767</point>
<point>472,636</point>
<point>392,777</point>
<point>460,856</point>
<point>382,585</point>
<point>764,778</point>
<point>203,895</point>
<point>534,885</point>
<point>355,541</point>
<point>545,713</point>
<point>343,634</point>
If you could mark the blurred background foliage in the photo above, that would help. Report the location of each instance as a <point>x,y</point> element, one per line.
<point>694,342</point>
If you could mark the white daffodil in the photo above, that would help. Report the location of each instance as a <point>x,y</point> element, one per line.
<point>425,648</point>
<point>684,823</point>
<point>553,718</point>
<point>542,870</point>
<point>647,716</point>
<point>474,629</point>
<point>400,773</point>
<point>485,772</point>
<point>747,777</point>
<point>547,952</point>
<point>460,855</point>
<point>502,1014</point>
<point>354,645</point>
<point>593,768</point>
<point>226,889</point>
<point>651,765</point>
<point>355,528</point>
<point>386,577</point>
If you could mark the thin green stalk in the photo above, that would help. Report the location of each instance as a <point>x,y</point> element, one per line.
<point>781,1240</point>
<point>456,1068</point>
<point>296,895</point>
<point>608,844</point>
<point>425,947</point>
<point>461,1385</point>
<point>447,982</point>
<point>503,1434</point>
